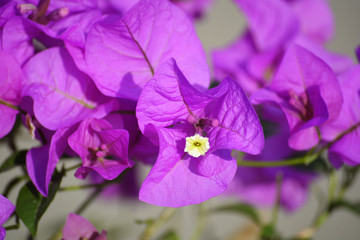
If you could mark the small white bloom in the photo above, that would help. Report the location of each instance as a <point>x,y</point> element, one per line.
<point>197,145</point>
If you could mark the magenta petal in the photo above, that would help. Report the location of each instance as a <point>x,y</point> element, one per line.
<point>168,98</point>
<point>41,161</point>
<point>51,77</point>
<point>36,164</point>
<point>316,18</point>
<point>271,23</point>
<point>304,139</point>
<point>77,227</point>
<point>350,115</point>
<point>345,150</point>
<point>239,127</point>
<point>172,181</point>
<point>6,209</point>
<point>146,36</point>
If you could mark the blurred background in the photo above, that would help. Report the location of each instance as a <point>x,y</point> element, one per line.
<point>221,26</point>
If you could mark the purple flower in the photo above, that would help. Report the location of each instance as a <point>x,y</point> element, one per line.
<point>258,186</point>
<point>316,19</point>
<point>6,209</point>
<point>344,150</point>
<point>77,227</point>
<point>122,53</point>
<point>101,148</point>
<point>271,23</point>
<point>307,91</point>
<point>196,132</point>
<point>10,89</point>
<point>274,25</point>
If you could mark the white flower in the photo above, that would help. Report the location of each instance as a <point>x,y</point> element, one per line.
<point>197,145</point>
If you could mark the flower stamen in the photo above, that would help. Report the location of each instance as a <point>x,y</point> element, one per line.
<point>197,145</point>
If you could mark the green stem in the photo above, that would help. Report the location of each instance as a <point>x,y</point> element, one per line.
<point>126,112</point>
<point>73,167</point>
<point>307,159</point>
<point>10,186</point>
<point>153,227</point>
<point>12,227</point>
<point>88,201</point>
<point>201,222</point>
<point>275,210</point>
<point>86,186</point>
<point>9,105</point>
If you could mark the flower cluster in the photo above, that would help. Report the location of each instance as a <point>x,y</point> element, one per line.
<point>123,83</point>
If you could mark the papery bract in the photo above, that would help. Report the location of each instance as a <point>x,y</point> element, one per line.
<point>345,150</point>
<point>258,186</point>
<point>96,142</point>
<point>77,227</point>
<point>178,180</point>
<point>307,91</point>
<point>222,114</point>
<point>70,96</point>
<point>224,111</point>
<point>132,48</point>
<point>41,161</point>
<point>316,19</point>
<point>271,23</point>
<point>10,91</point>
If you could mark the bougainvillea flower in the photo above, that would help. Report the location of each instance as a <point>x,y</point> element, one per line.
<point>222,116</point>
<point>271,23</point>
<point>6,209</point>
<point>133,46</point>
<point>241,60</point>
<point>307,91</point>
<point>316,19</point>
<point>77,227</point>
<point>101,148</point>
<point>258,186</point>
<point>52,77</point>
<point>344,150</point>
<point>10,92</point>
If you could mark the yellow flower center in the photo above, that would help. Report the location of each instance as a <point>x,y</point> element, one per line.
<point>197,145</point>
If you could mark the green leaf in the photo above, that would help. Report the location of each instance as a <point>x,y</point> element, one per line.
<point>169,235</point>
<point>16,159</point>
<point>31,205</point>
<point>240,208</point>
<point>268,232</point>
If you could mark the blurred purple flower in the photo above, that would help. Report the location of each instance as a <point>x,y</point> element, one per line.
<point>215,121</point>
<point>344,150</point>
<point>307,91</point>
<point>10,92</point>
<point>101,148</point>
<point>274,25</point>
<point>258,186</point>
<point>6,209</point>
<point>77,227</point>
